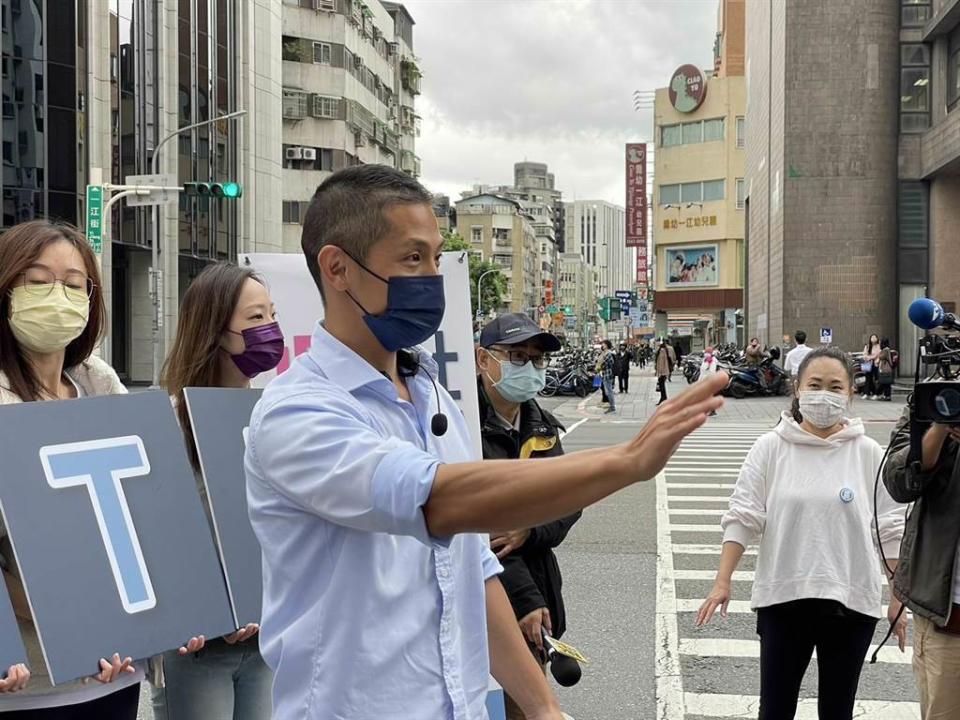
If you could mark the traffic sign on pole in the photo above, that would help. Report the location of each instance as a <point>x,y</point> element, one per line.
<point>165,196</point>
<point>95,217</point>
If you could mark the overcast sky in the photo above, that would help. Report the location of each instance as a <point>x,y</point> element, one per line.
<point>548,81</point>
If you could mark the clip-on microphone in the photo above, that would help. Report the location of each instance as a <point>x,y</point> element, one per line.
<point>409,360</point>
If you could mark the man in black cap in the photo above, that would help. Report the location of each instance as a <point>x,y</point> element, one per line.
<point>512,361</point>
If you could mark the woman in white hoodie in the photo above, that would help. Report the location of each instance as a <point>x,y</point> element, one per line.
<point>806,490</point>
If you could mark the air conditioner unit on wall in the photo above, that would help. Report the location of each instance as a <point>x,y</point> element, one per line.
<point>325,5</point>
<point>309,153</point>
<point>293,153</point>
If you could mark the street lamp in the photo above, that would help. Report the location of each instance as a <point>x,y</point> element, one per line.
<point>479,296</point>
<point>155,248</point>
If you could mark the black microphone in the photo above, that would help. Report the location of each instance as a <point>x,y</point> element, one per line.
<point>566,671</point>
<point>439,422</point>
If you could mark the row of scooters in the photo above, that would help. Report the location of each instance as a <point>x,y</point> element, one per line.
<point>746,379</point>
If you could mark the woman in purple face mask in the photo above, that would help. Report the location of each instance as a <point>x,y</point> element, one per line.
<point>227,333</point>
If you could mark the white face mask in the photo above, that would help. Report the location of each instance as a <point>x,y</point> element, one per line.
<point>823,409</point>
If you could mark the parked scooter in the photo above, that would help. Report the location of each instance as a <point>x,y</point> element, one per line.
<point>745,380</point>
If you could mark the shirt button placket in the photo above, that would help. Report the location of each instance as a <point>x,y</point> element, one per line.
<point>447,651</point>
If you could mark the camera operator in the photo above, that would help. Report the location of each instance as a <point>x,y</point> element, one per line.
<point>927,579</point>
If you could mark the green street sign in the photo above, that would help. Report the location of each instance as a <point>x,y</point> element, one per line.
<point>95,217</point>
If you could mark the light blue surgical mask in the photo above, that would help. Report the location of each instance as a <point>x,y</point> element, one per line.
<point>519,383</point>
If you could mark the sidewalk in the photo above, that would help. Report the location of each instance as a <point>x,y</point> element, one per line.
<point>640,403</point>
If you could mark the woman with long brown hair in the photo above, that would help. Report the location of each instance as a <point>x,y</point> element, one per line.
<point>227,334</point>
<point>52,317</point>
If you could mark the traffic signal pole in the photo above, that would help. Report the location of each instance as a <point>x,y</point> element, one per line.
<point>156,274</point>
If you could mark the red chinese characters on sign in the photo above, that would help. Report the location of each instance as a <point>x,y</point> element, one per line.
<point>636,230</point>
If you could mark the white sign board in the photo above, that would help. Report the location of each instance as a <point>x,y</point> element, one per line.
<point>826,336</point>
<point>299,309</point>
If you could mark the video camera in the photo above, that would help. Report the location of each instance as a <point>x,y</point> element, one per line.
<point>936,398</point>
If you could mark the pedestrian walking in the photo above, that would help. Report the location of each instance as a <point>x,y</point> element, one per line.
<point>791,362</point>
<point>708,368</point>
<point>663,363</point>
<point>623,375</point>
<point>676,355</point>
<point>381,599</point>
<point>512,361</point>
<point>806,490</point>
<point>227,333</point>
<point>927,578</point>
<point>871,354</point>
<point>606,368</point>
<point>885,371</point>
<point>52,318</point>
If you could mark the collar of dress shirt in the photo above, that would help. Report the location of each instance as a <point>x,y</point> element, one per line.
<point>349,370</point>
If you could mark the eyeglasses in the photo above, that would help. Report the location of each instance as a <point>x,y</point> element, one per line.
<point>521,358</point>
<point>39,282</point>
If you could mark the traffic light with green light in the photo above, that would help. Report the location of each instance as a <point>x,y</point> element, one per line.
<point>228,190</point>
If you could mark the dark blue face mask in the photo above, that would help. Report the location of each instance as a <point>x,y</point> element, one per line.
<point>415,306</point>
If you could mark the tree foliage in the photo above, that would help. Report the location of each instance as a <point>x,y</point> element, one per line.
<point>494,285</point>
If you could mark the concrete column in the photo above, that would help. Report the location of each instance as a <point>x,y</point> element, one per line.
<point>260,93</point>
<point>167,74</point>
<point>98,136</point>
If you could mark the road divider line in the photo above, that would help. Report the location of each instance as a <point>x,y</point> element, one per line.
<point>667,668</point>
<point>573,427</point>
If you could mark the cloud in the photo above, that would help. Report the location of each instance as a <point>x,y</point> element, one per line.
<point>546,80</point>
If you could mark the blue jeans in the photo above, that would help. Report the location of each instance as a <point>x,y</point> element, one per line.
<point>608,389</point>
<point>227,682</point>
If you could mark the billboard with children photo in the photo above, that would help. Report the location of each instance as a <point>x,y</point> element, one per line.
<point>692,266</point>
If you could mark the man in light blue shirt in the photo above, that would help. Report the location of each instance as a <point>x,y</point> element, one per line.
<point>380,600</point>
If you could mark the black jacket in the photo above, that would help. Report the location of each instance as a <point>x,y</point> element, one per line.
<point>924,578</point>
<point>531,575</point>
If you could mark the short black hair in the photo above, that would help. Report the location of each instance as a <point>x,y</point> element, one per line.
<point>800,336</point>
<point>347,211</point>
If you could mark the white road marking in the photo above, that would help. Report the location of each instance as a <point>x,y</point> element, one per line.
<point>699,499</point>
<point>693,549</point>
<point>693,605</point>
<point>573,427</point>
<point>738,575</point>
<point>728,647</point>
<point>669,683</point>
<point>698,486</point>
<point>747,707</point>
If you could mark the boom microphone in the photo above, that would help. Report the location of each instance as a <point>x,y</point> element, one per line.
<point>928,314</point>
<point>566,671</point>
